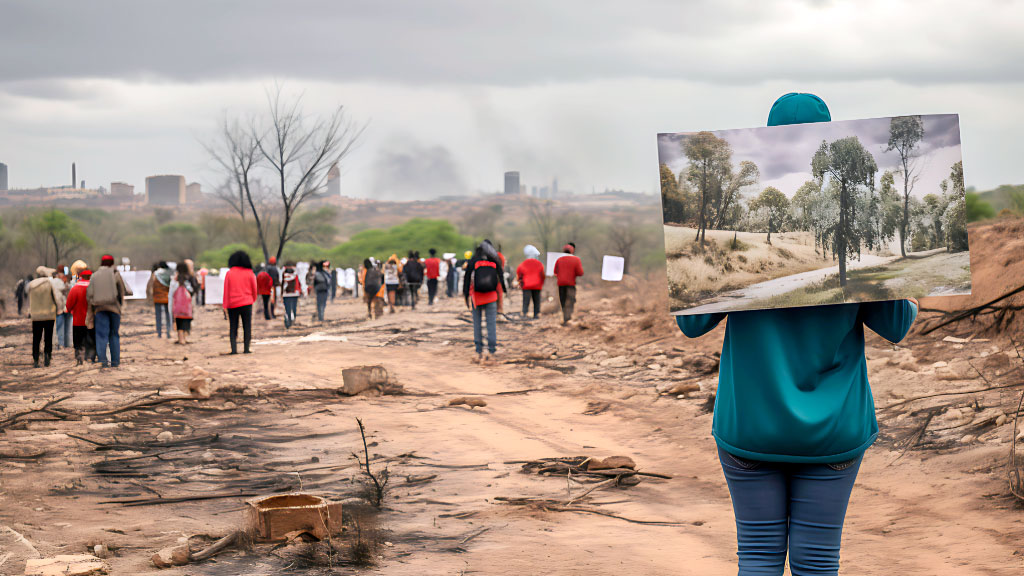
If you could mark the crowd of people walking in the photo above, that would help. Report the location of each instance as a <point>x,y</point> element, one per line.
<point>84,306</point>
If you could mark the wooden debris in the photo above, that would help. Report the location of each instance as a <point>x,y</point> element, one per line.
<point>272,518</point>
<point>66,565</point>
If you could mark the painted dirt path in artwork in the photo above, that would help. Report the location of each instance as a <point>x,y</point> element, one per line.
<point>737,299</point>
<point>592,388</point>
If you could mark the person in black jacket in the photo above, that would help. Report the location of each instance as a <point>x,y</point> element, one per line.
<point>413,272</point>
<point>484,286</point>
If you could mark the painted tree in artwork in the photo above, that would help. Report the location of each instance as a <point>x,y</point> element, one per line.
<point>850,167</point>
<point>708,171</point>
<point>775,206</point>
<point>905,135</point>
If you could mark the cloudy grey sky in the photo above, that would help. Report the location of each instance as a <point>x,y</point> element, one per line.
<point>459,91</point>
<point>783,153</point>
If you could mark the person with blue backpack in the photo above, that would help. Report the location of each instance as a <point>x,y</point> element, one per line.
<point>484,285</point>
<point>794,412</point>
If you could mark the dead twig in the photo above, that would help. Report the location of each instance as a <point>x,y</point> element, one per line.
<point>380,482</point>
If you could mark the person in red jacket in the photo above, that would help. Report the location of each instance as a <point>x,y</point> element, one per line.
<point>239,294</point>
<point>265,288</point>
<point>78,306</point>
<point>531,279</point>
<point>433,265</point>
<point>567,269</point>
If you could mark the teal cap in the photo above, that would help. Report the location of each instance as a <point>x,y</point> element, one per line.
<point>798,108</point>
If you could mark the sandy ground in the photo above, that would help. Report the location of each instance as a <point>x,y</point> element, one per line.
<point>939,506</point>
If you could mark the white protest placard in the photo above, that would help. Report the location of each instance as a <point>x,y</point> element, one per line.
<point>301,269</point>
<point>612,267</point>
<point>136,281</point>
<point>552,258</point>
<point>350,279</point>
<point>214,289</point>
<point>448,255</point>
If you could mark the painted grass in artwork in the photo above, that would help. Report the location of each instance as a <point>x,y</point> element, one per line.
<point>730,261</point>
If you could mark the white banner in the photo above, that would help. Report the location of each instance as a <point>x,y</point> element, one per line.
<point>302,268</point>
<point>214,289</point>
<point>612,267</point>
<point>552,258</point>
<point>137,281</point>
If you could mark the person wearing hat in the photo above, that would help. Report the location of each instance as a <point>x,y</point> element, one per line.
<point>78,306</point>
<point>794,412</point>
<point>106,293</point>
<point>275,276</point>
<point>567,269</point>
<point>45,301</point>
<point>531,279</point>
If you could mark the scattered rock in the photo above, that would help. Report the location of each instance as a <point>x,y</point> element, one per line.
<point>471,401</point>
<point>611,463</point>
<point>680,388</point>
<point>173,556</point>
<point>101,551</point>
<point>165,436</point>
<point>967,439</point>
<point>1001,419</point>
<point>208,456</point>
<point>654,367</point>
<point>66,565</point>
<point>363,378</point>
<point>616,362</point>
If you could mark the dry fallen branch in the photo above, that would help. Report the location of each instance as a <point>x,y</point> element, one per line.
<point>989,307</point>
<point>553,506</point>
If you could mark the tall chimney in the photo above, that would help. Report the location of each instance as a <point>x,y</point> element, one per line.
<point>74,180</point>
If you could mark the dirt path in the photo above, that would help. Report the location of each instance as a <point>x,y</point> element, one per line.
<point>278,422</point>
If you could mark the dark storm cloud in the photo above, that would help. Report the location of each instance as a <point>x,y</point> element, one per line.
<point>513,43</point>
<point>407,170</point>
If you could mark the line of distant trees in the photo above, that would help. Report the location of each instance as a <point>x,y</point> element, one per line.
<point>845,205</point>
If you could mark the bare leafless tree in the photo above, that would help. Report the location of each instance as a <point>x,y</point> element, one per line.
<point>300,152</point>
<point>542,221</point>
<point>237,151</point>
<point>296,150</point>
<point>623,236</point>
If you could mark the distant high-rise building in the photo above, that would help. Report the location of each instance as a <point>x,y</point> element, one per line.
<point>554,188</point>
<point>74,176</point>
<point>193,193</point>
<point>165,190</point>
<point>334,181</point>
<point>121,190</point>
<point>511,182</point>
<point>3,176</point>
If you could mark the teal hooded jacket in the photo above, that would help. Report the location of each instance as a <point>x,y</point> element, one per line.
<point>793,383</point>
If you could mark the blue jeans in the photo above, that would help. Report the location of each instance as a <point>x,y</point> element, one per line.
<point>64,330</point>
<point>108,326</point>
<point>321,304</point>
<point>162,311</point>
<point>291,305</point>
<point>783,505</point>
<point>491,312</point>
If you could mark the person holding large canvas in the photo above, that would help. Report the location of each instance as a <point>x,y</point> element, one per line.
<point>794,412</point>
